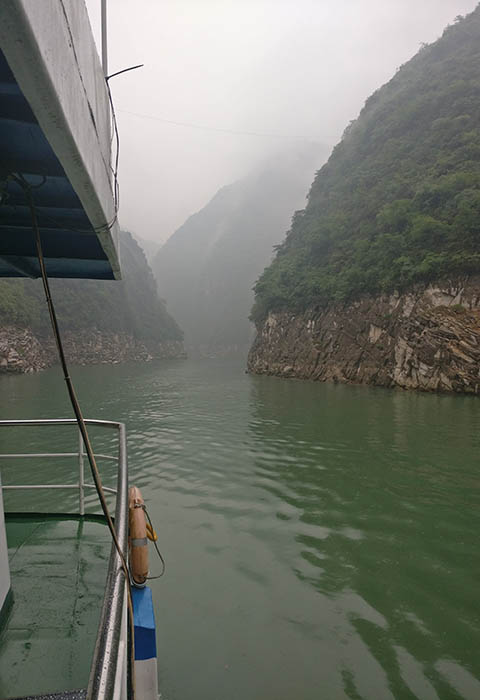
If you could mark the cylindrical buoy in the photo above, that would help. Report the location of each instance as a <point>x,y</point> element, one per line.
<point>137,539</point>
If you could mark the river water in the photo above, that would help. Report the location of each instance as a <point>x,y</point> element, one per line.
<point>322,541</point>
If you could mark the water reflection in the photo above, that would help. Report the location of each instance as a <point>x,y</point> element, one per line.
<point>321,541</point>
<point>373,488</point>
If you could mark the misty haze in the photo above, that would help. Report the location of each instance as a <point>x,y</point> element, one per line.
<point>287,71</point>
<point>245,236</point>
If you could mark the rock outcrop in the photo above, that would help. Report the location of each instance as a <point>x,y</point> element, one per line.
<point>426,339</point>
<point>21,350</point>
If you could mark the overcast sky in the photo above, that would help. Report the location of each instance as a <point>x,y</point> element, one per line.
<point>286,70</point>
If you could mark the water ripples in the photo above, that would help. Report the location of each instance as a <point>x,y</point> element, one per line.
<point>327,532</point>
<point>366,513</point>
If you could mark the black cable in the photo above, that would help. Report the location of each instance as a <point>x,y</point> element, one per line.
<point>116,133</point>
<point>74,401</point>
<point>116,188</point>
<point>125,70</point>
<point>20,179</point>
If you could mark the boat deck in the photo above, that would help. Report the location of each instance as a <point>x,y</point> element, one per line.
<point>58,567</point>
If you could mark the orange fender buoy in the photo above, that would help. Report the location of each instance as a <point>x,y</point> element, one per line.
<point>137,537</point>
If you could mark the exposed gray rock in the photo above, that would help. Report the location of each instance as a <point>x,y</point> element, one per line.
<point>426,339</point>
<point>22,351</point>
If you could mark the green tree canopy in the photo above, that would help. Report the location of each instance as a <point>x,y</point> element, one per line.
<point>130,305</point>
<point>398,202</point>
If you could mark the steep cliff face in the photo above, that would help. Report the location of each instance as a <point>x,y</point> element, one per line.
<point>398,202</point>
<point>357,291</point>
<point>100,321</point>
<point>129,307</point>
<point>22,351</point>
<point>426,339</point>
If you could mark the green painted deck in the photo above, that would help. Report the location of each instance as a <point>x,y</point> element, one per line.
<point>58,568</point>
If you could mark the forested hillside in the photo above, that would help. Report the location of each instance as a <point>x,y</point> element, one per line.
<point>398,202</point>
<point>129,306</point>
<point>206,270</point>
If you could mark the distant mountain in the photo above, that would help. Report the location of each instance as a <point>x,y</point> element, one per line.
<point>130,306</point>
<point>150,248</point>
<point>206,270</point>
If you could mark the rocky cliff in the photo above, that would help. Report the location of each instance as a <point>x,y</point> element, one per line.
<point>427,338</point>
<point>22,350</point>
<point>377,280</point>
<point>101,321</point>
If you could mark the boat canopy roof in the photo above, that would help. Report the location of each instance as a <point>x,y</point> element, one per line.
<point>55,136</point>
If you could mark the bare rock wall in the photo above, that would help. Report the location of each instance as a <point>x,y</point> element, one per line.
<point>21,350</point>
<point>426,339</point>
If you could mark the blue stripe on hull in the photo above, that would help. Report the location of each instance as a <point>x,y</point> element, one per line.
<point>144,623</point>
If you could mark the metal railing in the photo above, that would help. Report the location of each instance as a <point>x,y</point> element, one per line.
<point>82,484</point>
<point>108,672</point>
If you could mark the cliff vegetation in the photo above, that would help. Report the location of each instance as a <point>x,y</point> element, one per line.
<point>398,202</point>
<point>129,307</point>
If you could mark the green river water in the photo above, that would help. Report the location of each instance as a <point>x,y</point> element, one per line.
<point>322,541</point>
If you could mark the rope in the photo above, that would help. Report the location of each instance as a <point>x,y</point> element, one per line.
<point>154,540</point>
<point>153,537</point>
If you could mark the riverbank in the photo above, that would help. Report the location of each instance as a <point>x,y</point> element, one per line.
<point>24,351</point>
<point>299,521</point>
<point>426,339</point>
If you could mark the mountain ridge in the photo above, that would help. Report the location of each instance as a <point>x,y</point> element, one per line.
<point>206,269</point>
<point>100,321</point>
<point>391,216</point>
<point>386,209</point>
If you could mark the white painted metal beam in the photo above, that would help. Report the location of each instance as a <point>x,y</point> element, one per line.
<point>50,49</point>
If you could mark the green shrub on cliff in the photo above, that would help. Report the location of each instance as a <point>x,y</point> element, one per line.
<point>130,305</point>
<point>17,307</point>
<point>398,202</point>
